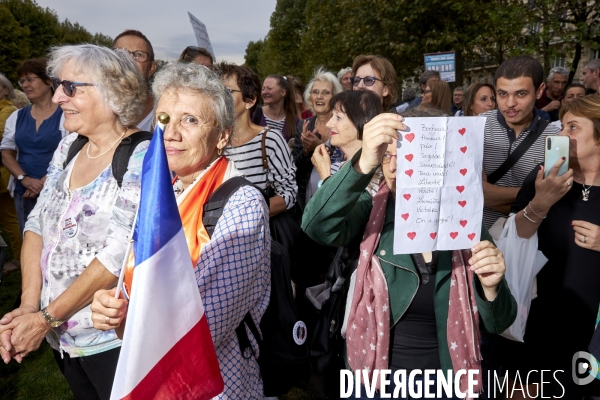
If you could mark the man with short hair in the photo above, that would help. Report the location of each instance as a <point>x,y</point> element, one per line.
<point>591,77</point>
<point>140,48</point>
<point>551,97</point>
<point>519,82</point>
<point>457,99</point>
<point>423,79</point>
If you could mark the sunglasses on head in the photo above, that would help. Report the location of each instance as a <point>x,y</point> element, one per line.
<point>69,88</point>
<point>367,80</point>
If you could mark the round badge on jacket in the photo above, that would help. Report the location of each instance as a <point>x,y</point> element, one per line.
<point>300,333</point>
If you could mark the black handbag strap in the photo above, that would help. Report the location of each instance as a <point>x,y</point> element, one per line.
<point>513,157</point>
<point>242,335</point>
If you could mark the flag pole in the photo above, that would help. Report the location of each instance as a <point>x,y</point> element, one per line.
<point>161,124</point>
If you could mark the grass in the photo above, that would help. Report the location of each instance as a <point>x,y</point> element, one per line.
<point>38,377</point>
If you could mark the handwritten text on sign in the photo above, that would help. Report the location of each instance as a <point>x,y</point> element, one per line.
<point>439,197</point>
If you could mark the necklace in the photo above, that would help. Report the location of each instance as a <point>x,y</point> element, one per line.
<point>586,190</point>
<point>87,150</point>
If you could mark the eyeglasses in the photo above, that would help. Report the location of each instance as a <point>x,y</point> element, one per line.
<point>317,92</point>
<point>233,90</point>
<point>138,55</point>
<point>68,87</point>
<point>387,157</point>
<point>29,79</point>
<point>367,80</point>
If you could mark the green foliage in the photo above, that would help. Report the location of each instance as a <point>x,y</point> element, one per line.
<point>253,54</point>
<point>29,30</point>
<point>308,33</point>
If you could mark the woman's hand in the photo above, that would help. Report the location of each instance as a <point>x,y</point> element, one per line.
<point>321,161</point>
<point>377,135</point>
<point>107,312</point>
<point>27,332</point>
<point>587,235</point>
<point>309,140</point>
<point>552,188</point>
<point>6,348</point>
<point>32,184</point>
<point>488,263</point>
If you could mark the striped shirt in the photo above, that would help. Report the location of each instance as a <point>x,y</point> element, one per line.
<point>281,175</point>
<point>499,141</point>
<point>274,124</point>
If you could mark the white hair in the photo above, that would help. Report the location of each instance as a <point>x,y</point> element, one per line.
<point>557,70</point>
<point>197,78</point>
<point>322,75</point>
<point>343,72</point>
<point>6,83</point>
<point>114,74</point>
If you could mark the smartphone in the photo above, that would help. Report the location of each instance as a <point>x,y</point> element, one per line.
<point>556,148</point>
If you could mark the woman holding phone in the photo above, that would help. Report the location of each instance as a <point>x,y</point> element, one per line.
<point>563,209</point>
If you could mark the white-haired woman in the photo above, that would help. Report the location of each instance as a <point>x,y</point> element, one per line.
<point>9,222</point>
<point>313,131</point>
<point>233,265</point>
<point>76,236</point>
<point>345,77</point>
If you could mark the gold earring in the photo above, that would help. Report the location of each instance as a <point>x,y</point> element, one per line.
<point>219,152</point>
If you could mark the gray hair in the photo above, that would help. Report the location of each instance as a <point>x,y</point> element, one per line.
<point>343,72</point>
<point>408,94</point>
<point>20,99</point>
<point>557,70</point>
<point>6,83</point>
<point>593,65</point>
<point>458,89</point>
<point>322,75</point>
<point>199,79</point>
<point>114,74</point>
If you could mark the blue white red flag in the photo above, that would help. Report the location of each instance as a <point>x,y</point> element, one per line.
<point>167,349</point>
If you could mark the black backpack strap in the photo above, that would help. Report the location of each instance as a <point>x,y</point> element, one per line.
<point>124,151</point>
<point>213,209</point>
<point>242,335</point>
<point>75,148</point>
<point>518,153</point>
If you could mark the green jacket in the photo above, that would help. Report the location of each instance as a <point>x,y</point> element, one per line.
<point>339,211</point>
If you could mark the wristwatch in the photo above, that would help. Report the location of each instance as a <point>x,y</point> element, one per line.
<point>21,177</point>
<point>53,322</point>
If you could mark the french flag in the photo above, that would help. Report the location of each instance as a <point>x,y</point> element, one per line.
<point>167,349</point>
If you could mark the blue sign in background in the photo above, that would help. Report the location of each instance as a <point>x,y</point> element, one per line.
<point>444,63</point>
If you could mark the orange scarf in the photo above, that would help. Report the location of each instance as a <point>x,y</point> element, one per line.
<point>190,210</point>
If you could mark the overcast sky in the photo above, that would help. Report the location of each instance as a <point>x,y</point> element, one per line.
<point>231,24</point>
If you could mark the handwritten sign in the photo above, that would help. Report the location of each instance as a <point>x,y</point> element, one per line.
<point>201,35</point>
<point>439,196</point>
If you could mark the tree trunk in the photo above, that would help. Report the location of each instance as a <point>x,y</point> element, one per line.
<point>576,59</point>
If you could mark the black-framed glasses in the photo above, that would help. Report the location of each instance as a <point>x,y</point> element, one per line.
<point>232,91</point>
<point>367,80</point>
<point>28,79</point>
<point>138,55</point>
<point>68,87</point>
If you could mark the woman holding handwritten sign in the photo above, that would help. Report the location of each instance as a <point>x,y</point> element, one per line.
<point>425,313</point>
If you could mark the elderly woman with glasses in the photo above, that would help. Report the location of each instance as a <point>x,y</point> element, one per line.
<point>376,74</point>
<point>77,234</point>
<point>30,137</point>
<point>233,265</point>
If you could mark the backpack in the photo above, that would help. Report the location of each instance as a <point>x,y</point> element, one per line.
<point>283,349</point>
<point>121,156</point>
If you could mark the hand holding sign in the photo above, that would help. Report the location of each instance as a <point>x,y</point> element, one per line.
<point>377,135</point>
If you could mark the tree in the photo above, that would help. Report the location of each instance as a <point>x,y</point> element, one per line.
<point>253,54</point>
<point>14,50</point>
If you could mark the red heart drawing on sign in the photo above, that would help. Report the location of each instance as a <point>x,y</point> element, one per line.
<point>462,203</point>
<point>471,236</point>
<point>463,171</point>
<point>433,235</point>
<point>410,137</point>
<point>409,172</point>
<point>406,196</point>
<point>409,157</point>
<point>411,235</point>
<point>460,189</point>
<point>463,222</point>
<point>463,149</point>
<point>462,131</point>
<point>404,216</point>
<point>453,235</point>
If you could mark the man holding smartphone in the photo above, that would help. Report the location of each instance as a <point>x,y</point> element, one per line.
<point>514,135</point>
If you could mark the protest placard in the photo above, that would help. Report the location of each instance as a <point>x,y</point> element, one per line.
<point>201,35</point>
<point>439,196</point>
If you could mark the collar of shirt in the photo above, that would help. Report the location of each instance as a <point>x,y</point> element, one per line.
<point>511,132</point>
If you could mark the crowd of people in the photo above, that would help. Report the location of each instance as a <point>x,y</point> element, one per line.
<point>324,155</point>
